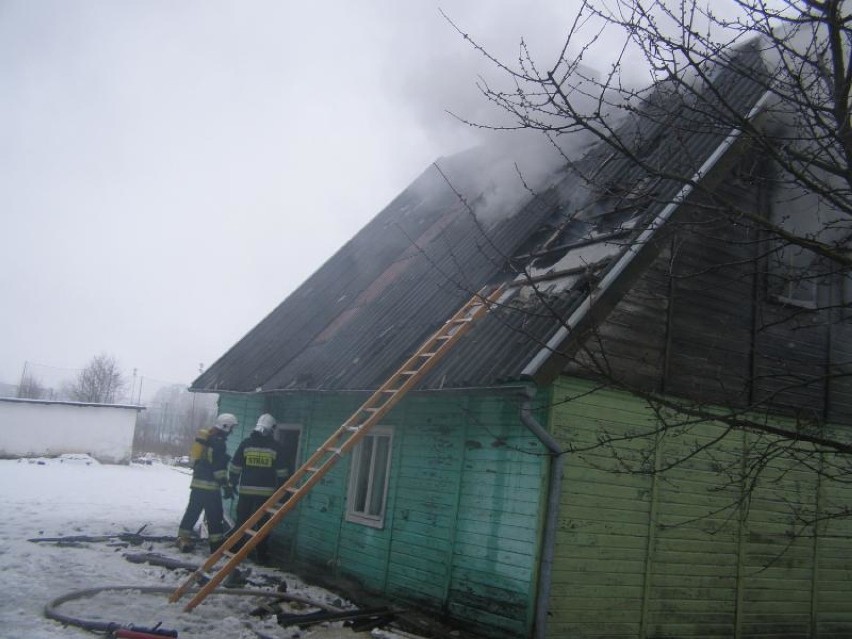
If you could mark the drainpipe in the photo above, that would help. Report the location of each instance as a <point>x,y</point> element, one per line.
<point>557,463</point>
<point>636,246</point>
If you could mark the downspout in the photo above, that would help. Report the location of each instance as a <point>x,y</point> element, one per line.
<point>548,542</point>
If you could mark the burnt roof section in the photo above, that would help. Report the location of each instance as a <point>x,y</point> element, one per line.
<point>453,231</point>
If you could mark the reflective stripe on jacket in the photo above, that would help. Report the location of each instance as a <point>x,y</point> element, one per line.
<point>258,466</point>
<point>211,470</point>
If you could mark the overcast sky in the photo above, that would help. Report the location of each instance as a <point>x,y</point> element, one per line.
<point>172,170</point>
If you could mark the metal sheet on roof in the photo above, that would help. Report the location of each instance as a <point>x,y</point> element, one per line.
<point>353,322</point>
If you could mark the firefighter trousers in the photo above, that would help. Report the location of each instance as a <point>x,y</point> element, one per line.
<point>247,505</point>
<point>209,502</point>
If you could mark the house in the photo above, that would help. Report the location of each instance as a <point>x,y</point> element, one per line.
<point>537,483</point>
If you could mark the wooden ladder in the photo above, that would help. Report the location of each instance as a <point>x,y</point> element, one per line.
<point>341,442</point>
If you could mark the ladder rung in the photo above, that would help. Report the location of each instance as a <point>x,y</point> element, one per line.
<point>323,459</point>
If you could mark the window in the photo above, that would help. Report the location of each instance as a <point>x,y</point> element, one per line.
<point>368,479</point>
<point>792,277</point>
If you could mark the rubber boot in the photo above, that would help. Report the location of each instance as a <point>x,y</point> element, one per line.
<point>185,544</point>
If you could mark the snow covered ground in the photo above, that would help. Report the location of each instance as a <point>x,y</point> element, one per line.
<point>75,495</point>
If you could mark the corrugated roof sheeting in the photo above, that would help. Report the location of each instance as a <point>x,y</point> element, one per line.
<point>352,323</point>
<point>435,284</point>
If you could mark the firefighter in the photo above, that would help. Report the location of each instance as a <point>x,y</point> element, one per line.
<point>257,470</point>
<point>209,483</point>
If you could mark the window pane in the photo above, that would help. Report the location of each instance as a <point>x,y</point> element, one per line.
<point>368,478</point>
<point>362,474</point>
<point>791,274</point>
<point>380,469</point>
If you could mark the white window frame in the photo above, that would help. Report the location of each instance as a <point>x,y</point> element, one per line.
<point>355,472</point>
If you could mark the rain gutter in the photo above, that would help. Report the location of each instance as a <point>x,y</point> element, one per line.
<point>554,490</point>
<point>579,315</point>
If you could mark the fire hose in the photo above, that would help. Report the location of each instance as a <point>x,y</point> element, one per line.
<point>131,631</point>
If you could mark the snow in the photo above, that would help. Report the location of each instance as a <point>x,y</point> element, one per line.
<point>76,495</point>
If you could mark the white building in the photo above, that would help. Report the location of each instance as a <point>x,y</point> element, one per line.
<point>35,427</point>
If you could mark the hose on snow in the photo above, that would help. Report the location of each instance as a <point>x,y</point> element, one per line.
<point>51,609</point>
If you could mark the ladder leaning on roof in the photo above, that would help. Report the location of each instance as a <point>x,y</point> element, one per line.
<point>341,442</point>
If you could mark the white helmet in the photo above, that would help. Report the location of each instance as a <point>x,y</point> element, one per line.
<point>226,422</point>
<point>265,424</point>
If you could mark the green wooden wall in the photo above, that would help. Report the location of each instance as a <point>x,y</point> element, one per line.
<point>677,535</point>
<point>464,514</point>
<point>246,408</point>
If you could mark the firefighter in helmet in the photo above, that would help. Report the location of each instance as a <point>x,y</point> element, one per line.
<point>209,483</point>
<point>257,470</point>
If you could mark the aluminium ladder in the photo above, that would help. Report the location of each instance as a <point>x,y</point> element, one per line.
<point>235,548</point>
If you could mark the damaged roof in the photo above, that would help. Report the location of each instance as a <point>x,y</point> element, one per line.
<point>568,250</point>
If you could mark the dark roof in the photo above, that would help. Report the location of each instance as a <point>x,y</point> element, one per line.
<point>454,230</point>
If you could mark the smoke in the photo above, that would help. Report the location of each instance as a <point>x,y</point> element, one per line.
<point>443,69</point>
<point>447,66</point>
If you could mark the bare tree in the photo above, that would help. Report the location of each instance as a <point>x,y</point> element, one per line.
<point>172,419</point>
<point>802,124</point>
<point>32,388</point>
<point>100,382</point>
<point>793,147</point>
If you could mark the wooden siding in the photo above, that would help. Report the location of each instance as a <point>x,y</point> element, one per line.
<point>631,344</point>
<point>791,363</point>
<point>246,408</point>
<point>672,553</point>
<point>599,567</point>
<point>711,317</point>
<point>700,323</point>
<point>833,571</point>
<point>464,511</point>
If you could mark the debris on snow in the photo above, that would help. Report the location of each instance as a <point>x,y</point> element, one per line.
<point>75,496</point>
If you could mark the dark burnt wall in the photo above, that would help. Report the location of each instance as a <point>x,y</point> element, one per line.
<point>702,323</point>
<point>630,345</point>
<point>711,322</point>
<point>839,398</point>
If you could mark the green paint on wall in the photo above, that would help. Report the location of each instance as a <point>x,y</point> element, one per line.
<point>464,512</point>
<point>695,554</point>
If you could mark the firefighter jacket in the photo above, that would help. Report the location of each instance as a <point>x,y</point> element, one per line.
<point>258,466</point>
<point>210,471</point>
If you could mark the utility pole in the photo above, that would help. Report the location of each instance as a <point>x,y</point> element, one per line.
<point>23,377</point>
<point>132,385</point>
<point>192,411</point>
